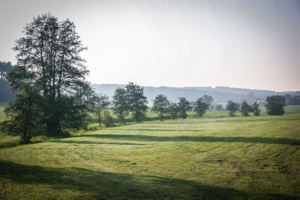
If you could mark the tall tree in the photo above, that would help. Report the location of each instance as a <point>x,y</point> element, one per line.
<point>245,109</point>
<point>184,106</point>
<point>48,60</point>
<point>161,105</point>
<point>275,105</point>
<point>232,108</point>
<point>137,102</point>
<point>120,104</point>
<point>200,107</point>
<point>101,102</point>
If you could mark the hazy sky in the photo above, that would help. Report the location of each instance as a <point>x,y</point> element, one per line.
<point>237,43</point>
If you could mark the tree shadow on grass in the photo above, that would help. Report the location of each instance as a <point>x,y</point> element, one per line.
<point>263,140</point>
<point>94,142</point>
<point>105,185</point>
<point>157,130</point>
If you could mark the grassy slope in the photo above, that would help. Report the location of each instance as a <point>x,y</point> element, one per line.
<point>203,158</point>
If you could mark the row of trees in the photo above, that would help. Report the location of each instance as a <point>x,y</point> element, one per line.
<point>245,108</point>
<point>131,99</point>
<point>125,100</point>
<point>275,106</point>
<point>162,106</point>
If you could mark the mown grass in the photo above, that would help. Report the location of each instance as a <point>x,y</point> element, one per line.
<point>213,157</point>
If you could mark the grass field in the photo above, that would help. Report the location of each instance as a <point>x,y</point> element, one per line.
<point>213,157</point>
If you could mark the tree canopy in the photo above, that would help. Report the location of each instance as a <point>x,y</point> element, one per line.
<point>200,107</point>
<point>232,107</point>
<point>120,104</point>
<point>161,105</point>
<point>137,102</point>
<point>275,105</point>
<point>184,106</point>
<point>245,109</point>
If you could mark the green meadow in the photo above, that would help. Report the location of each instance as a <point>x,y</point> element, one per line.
<point>209,157</point>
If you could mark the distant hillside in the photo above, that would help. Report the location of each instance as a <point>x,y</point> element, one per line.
<point>219,94</point>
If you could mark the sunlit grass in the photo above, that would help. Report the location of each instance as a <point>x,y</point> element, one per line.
<point>213,157</point>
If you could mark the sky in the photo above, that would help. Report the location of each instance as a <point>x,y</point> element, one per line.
<point>177,43</point>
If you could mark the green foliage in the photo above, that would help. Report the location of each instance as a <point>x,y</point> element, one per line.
<point>49,77</point>
<point>173,110</point>
<point>200,107</point>
<point>136,101</point>
<point>23,115</point>
<point>120,104</point>
<point>245,109</point>
<point>107,119</point>
<point>184,106</point>
<point>232,108</point>
<point>101,102</point>
<point>161,105</point>
<point>275,105</point>
<point>255,109</point>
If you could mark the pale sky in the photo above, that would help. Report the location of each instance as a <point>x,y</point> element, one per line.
<point>251,44</point>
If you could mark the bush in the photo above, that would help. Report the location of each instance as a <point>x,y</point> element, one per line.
<point>107,119</point>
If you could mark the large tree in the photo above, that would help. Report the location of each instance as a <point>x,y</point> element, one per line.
<point>161,105</point>
<point>200,107</point>
<point>184,106</point>
<point>48,61</point>
<point>120,104</point>
<point>275,105</point>
<point>137,102</point>
<point>232,107</point>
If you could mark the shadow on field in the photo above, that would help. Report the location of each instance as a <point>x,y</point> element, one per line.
<point>94,142</point>
<point>264,140</point>
<point>157,130</point>
<point>105,185</point>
